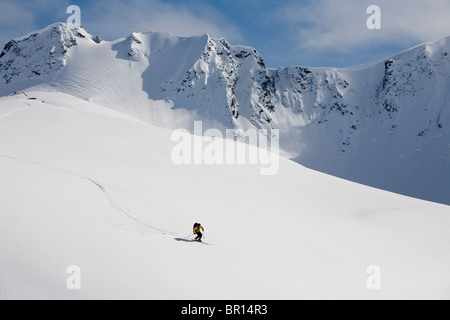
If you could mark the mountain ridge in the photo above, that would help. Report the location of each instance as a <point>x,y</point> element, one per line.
<point>384,124</point>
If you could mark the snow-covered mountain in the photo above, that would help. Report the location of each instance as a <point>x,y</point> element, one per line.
<point>87,182</point>
<point>385,124</point>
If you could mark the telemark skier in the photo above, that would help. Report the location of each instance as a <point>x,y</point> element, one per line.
<point>197,228</point>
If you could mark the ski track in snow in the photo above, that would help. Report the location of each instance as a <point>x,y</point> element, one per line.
<point>111,202</point>
<point>12,112</point>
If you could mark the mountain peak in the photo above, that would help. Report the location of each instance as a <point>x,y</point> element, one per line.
<point>40,53</point>
<point>36,54</point>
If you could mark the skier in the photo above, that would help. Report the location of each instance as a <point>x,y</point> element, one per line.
<point>197,228</point>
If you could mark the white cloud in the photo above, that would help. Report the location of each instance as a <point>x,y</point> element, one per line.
<point>341,25</point>
<point>115,18</point>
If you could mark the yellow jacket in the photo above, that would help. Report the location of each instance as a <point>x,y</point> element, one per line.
<point>197,229</point>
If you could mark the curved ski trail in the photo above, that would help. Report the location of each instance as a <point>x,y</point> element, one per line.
<point>98,185</point>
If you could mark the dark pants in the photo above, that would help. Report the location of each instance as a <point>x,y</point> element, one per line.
<point>199,236</point>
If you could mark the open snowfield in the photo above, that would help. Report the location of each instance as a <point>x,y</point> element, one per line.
<point>83,185</point>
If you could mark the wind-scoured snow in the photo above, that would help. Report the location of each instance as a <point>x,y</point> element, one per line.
<point>83,185</point>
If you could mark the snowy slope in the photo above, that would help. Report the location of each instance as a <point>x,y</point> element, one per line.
<point>84,185</point>
<point>385,124</point>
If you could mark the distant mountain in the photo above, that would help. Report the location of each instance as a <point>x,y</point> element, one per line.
<point>385,124</point>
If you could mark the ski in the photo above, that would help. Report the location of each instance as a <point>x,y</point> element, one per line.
<point>202,242</point>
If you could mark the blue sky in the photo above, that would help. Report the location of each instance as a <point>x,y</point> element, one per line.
<point>286,32</point>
